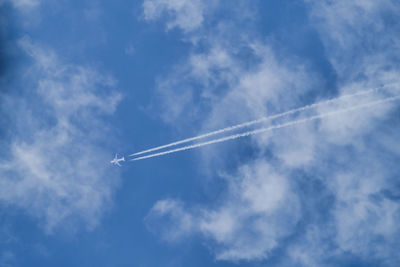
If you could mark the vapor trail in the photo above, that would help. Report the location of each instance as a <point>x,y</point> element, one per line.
<point>279,126</point>
<point>245,124</point>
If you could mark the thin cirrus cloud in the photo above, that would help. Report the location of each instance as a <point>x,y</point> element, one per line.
<point>343,167</point>
<point>257,212</point>
<point>52,168</point>
<point>23,5</point>
<point>187,14</point>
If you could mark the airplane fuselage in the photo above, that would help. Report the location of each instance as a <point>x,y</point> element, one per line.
<point>117,160</point>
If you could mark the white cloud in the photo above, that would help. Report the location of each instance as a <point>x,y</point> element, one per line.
<point>57,164</point>
<point>261,208</point>
<point>351,156</point>
<point>22,5</point>
<point>209,71</point>
<point>362,42</point>
<point>345,21</point>
<point>25,4</point>
<point>180,223</point>
<point>259,211</point>
<point>184,14</point>
<point>359,36</point>
<point>363,214</point>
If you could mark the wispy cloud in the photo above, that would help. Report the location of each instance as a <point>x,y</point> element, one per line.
<point>257,212</point>
<point>24,4</point>
<point>56,163</point>
<point>186,14</point>
<point>346,162</point>
<point>7,259</point>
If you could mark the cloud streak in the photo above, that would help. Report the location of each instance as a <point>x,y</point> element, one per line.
<point>275,127</point>
<point>264,119</point>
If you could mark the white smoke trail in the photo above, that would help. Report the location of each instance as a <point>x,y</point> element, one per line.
<point>283,125</point>
<point>245,124</point>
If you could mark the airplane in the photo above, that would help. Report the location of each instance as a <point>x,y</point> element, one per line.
<point>116,160</point>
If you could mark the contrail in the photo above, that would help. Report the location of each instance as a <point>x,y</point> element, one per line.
<point>279,126</point>
<point>245,124</point>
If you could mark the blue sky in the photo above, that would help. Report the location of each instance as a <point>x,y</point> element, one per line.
<point>83,80</point>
